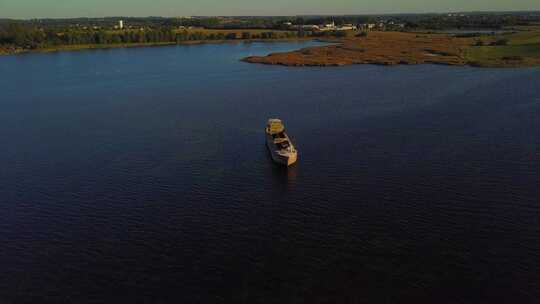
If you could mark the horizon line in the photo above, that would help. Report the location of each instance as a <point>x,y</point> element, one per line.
<point>294,15</point>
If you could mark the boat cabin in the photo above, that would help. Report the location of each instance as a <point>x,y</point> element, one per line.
<point>274,127</point>
<point>283,145</point>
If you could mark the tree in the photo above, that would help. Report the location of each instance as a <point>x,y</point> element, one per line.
<point>141,37</point>
<point>99,37</point>
<point>498,42</point>
<point>182,36</point>
<point>362,34</point>
<point>339,34</point>
<point>268,35</point>
<point>246,35</point>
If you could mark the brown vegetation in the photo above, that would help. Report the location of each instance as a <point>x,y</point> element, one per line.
<point>518,49</point>
<point>387,48</point>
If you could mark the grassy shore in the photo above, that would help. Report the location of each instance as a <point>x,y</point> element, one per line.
<point>386,48</point>
<point>187,36</point>
<point>79,47</point>
<point>520,49</point>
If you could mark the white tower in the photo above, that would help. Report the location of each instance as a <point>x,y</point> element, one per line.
<point>121,24</point>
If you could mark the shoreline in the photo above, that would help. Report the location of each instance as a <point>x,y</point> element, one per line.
<point>82,47</point>
<point>378,48</point>
<point>506,64</point>
<point>408,48</point>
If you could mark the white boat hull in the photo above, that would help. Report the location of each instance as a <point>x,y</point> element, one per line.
<point>286,160</point>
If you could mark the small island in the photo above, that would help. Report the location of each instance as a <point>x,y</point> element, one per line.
<point>515,49</point>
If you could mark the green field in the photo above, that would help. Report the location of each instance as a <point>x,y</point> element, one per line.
<point>522,48</point>
<point>529,36</point>
<point>494,52</point>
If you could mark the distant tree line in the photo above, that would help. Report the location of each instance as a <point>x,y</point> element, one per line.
<point>429,21</point>
<point>337,34</point>
<point>43,33</point>
<point>469,21</point>
<point>31,37</point>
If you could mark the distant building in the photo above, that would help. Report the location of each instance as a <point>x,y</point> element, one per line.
<point>368,26</point>
<point>310,27</point>
<point>328,27</point>
<point>121,24</point>
<point>347,27</point>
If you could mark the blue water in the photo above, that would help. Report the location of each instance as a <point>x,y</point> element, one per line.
<point>141,176</point>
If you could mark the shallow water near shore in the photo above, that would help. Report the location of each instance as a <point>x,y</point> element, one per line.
<point>141,175</point>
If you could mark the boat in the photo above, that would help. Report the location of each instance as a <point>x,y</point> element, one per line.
<point>279,144</point>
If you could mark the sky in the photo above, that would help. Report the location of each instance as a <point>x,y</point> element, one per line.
<point>24,9</point>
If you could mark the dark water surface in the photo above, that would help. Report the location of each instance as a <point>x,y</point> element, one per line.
<point>141,176</point>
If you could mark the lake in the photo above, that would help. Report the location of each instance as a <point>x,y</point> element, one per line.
<point>141,175</point>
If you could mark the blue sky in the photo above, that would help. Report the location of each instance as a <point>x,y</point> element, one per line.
<point>101,8</point>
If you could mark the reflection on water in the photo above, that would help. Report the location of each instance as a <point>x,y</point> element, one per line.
<point>291,174</point>
<point>283,175</point>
